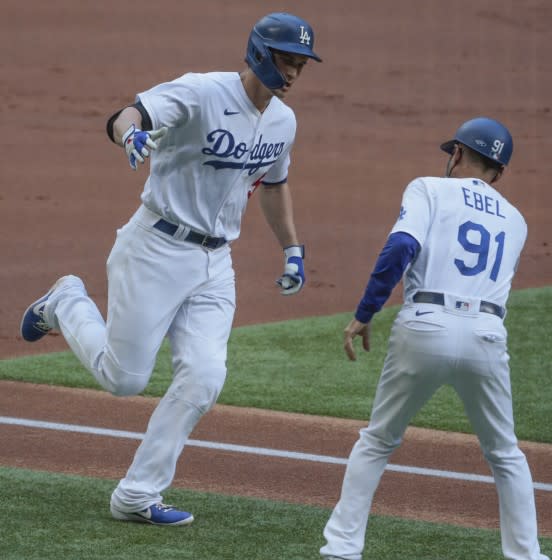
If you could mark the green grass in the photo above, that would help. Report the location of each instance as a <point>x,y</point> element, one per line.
<point>49,516</point>
<point>299,366</point>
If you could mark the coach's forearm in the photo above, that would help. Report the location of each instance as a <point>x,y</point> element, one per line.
<point>398,252</point>
<point>277,208</point>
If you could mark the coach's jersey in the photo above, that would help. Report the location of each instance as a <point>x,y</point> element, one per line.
<point>218,149</point>
<point>471,238</point>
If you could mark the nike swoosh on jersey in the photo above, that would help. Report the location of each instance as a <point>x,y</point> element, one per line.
<point>418,313</point>
<point>228,112</point>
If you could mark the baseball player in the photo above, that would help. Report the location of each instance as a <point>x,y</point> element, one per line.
<point>458,241</point>
<point>212,139</point>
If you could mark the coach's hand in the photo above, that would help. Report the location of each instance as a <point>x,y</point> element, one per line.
<point>293,278</point>
<point>353,329</point>
<point>136,143</point>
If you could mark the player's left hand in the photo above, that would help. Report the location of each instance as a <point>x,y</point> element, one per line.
<point>293,278</point>
<point>136,143</point>
<point>353,329</point>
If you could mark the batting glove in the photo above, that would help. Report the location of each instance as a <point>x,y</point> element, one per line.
<point>136,140</point>
<point>293,278</point>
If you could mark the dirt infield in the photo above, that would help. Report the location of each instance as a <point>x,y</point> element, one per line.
<point>429,498</point>
<point>396,81</point>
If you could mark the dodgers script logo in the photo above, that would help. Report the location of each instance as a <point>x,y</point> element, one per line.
<point>230,154</point>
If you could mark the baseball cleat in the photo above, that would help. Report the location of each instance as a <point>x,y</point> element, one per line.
<point>157,514</point>
<point>34,324</point>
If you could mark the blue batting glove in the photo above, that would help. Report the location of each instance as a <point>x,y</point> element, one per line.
<point>293,278</point>
<point>136,143</point>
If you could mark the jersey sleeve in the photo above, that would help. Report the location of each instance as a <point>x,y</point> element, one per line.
<point>172,103</point>
<point>279,171</point>
<point>416,211</point>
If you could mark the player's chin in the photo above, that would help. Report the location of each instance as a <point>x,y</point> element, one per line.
<point>281,92</point>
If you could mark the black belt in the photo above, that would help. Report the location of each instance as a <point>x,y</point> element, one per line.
<point>439,299</point>
<point>192,237</point>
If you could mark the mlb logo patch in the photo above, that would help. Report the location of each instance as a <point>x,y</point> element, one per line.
<point>462,305</point>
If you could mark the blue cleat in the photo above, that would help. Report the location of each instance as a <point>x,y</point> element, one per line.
<point>157,514</point>
<point>34,324</point>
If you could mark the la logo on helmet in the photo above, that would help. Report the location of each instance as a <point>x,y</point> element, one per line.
<point>304,36</point>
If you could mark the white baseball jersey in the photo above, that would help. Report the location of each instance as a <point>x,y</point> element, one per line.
<point>471,238</point>
<point>218,149</point>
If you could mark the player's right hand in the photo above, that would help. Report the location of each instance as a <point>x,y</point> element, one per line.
<point>136,143</point>
<point>353,329</point>
<point>293,278</point>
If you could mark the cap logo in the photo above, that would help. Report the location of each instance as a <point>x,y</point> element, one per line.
<point>304,36</point>
<point>481,143</point>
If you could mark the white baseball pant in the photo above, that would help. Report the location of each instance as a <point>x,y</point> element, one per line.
<point>469,352</point>
<point>158,286</point>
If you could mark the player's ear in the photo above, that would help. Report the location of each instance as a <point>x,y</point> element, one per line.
<point>455,157</point>
<point>458,153</point>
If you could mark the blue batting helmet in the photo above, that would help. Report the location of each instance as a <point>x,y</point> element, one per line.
<point>485,136</point>
<point>281,32</point>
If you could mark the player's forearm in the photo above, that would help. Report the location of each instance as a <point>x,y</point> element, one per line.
<point>277,208</point>
<point>126,119</point>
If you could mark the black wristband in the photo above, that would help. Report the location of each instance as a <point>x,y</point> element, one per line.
<point>146,120</point>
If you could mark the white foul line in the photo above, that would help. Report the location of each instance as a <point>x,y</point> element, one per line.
<point>264,451</point>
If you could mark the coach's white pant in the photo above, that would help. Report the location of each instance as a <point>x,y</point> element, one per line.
<point>158,286</point>
<point>467,351</point>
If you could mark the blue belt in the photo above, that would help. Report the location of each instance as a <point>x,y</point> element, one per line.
<point>193,236</point>
<point>439,299</point>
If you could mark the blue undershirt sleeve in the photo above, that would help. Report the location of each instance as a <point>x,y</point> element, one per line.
<point>399,251</point>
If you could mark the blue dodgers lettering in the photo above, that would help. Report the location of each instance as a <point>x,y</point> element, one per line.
<point>224,145</point>
<point>229,153</point>
<point>482,203</point>
<point>262,150</point>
